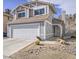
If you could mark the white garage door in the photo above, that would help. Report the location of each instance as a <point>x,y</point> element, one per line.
<point>28,33</point>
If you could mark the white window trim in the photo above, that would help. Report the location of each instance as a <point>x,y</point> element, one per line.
<point>39,7</point>
<point>26,13</point>
<point>21,12</point>
<point>39,14</point>
<point>47,8</point>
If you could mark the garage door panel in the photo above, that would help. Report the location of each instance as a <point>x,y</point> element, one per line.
<point>26,33</point>
<point>31,25</point>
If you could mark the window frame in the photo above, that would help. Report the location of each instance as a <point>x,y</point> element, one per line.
<point>39,11</point>
<point>21,12</point>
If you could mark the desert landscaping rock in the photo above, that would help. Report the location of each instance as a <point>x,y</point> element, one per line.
<point>47,51</point>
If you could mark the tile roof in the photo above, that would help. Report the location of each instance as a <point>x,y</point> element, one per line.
<point>29,20</point>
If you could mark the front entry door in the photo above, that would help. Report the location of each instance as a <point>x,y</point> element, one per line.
<point>56,30</point>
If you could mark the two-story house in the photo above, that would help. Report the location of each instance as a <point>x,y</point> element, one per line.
<point>32,19</point>
<point>6,18</point>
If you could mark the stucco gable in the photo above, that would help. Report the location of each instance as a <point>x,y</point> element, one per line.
<point>51,5</point>
<point>19,7</point>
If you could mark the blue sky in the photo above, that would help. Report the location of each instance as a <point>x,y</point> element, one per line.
<point>68,5</point>
<point>12,3</point>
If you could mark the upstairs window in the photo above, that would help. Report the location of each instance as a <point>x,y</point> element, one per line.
<point>42,11</point>
<point>21,14</point>
<point>39,11</point>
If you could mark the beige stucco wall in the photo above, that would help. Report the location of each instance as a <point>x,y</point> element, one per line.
<point>48,11</point>
<point>50,15</point>
<point>6,19</point>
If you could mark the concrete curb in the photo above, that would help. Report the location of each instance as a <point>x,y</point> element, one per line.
<point>49,42</point>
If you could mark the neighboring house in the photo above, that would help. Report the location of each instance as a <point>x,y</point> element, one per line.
<point>33,19</point>
<point>70,24</point>
<point>6,18</point>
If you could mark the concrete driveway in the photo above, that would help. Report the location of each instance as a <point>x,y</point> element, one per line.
<point>11,45</point>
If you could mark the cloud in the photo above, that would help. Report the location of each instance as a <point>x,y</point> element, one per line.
<point>68,5</point>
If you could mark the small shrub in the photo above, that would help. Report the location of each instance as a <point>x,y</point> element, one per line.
<point>39,38</point>
<point>37,42</point>
<point>73,36</point>
<point>61,41</point>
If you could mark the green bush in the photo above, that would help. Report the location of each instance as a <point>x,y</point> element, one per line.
<point>38,38</point>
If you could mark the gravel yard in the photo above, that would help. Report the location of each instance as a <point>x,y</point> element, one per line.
<point>47,51</point>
